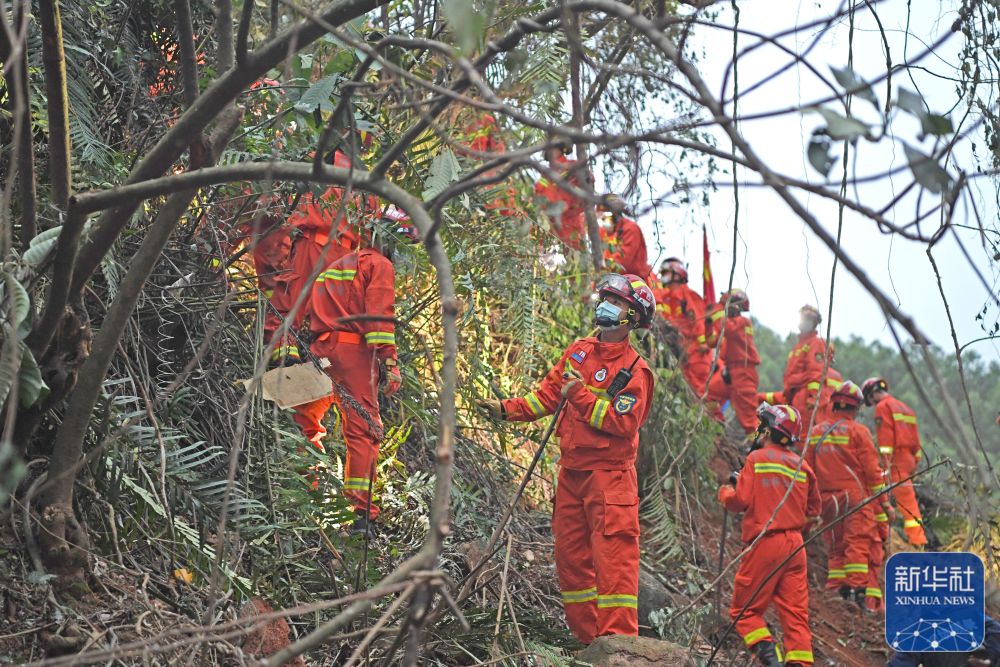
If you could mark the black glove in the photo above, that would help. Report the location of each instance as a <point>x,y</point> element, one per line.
<point>734,477</point>
<point>725,376</point>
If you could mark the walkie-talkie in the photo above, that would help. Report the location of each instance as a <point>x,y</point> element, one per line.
<point>621,379</point>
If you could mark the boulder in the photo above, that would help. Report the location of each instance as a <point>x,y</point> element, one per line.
<point>623,651</point>
<point>652,596</point>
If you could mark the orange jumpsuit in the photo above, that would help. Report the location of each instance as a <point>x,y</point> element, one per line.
<point>739,356</point>
<point>628,247</point>
<point>899,441</point>
<point>821,391</point>
<point>876,556</point>
<point>804,366</point>
<point>760,489</point>
<point>483,136</point>
<point>845,459</point>
<point>359,283</point>
<point>595,517</point>
<point>684,309</point>
<point>561,206</point>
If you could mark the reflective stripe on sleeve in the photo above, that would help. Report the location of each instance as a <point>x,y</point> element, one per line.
<point>906,419</point>
<point>911,523</point>
<point>598,413</point>
<point>882,517</point>
<point>535,405</point>
<point>854,568</point>
<point>836,574</point>
<point>885,451</point>
<point>380,338</point>
<point>337,274</point>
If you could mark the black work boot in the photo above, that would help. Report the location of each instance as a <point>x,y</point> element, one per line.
<point>766,655</point>
<point>364,525</point>
<point>859,599</point>
<point>846,592</point>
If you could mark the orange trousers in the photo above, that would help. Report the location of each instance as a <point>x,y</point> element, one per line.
<point>595,522</point>
<point>788,589</point>
<point>876,557</point>
<point>904,464</point>
<point>741,393</point>
<point>849,541</point>
<point>353,367</point>
<point>696,368</point>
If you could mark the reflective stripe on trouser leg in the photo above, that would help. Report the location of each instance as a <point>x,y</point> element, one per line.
<point>354,368</point>
<point>859,530</point>
<point>615,543</point>
<point>753,573</point>
<point>833,504</point>
<point>574,565</point>
<point>903,465</point>
<point>791,598</point>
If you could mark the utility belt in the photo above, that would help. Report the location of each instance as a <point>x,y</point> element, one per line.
<point>779,531</point>
<point>339,338</point>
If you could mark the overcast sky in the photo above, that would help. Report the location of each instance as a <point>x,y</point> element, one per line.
<point>781,263</point>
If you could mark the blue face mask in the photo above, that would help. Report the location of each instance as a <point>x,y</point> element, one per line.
<point>608,315</point>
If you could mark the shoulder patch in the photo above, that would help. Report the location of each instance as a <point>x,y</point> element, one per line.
<point>819,357</point>
<point>624,403</point>
<point>579,356</point>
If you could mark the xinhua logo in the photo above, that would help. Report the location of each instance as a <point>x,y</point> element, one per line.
<point>934,602</point>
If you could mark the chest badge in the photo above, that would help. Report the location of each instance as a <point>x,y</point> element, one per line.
<point>578,356</point>
<point>601,375</point>
<point>624,403</point>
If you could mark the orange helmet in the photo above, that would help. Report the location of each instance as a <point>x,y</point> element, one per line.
<point>784,421</point>
<point>635,291</point>
<point>675,266</point>
<point>847,396</point>
<point>871,385</point>
<point>736,298</point>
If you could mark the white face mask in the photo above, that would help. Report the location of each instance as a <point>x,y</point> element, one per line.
<point>608,316</point>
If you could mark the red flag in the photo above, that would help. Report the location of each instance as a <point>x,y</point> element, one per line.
<point>708,289</point>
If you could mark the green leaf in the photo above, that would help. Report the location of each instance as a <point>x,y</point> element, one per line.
<point>936,124</point>
<point>51,233</point>
<point>853,83</point>
<point>10,360</point>
<point>12,470</point>
<point>19,301</point>
<point>466,22</point>
<point>842,127</point>
<point>31,388</point>
<point>928,173</point>
<point>819,154</point>
<point>909,101</point>
<point>444,171</point>
<point>319,95</point>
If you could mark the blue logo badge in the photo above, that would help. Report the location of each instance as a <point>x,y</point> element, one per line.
<point>934,602</point>
<point>624,403</point>
<point>601,374</point>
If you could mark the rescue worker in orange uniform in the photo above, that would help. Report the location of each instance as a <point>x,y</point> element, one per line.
<point>819,392</point>
<point>843,455</point>
<point>625,244</point>
<point>899,442</point>
<point>876,556</point>
<point>736,379</point>
<point>806,359</point>
<point>608,390</point>
<point>565,210</point>
<point>684,309</point>
<point>759,492</point>
<point>363,361</point>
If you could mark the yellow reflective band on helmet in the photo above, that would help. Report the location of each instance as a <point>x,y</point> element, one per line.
<point>535,405</point>
<point>638,283</point>
<point>337,274</point>
<point>800,656</point>
<point>885,451</point>
<point>357,483</point>
<point>380,338</point>
<point>598,413</point>
<point>757,635</point>
<point>911,523</point>
<point>850,568</point>
<point>873,593</point>
<point>882,517</point>
<point>780,469</point>
<point>575,597</point>
<point>836,574</point>
<point>617,600</point>
<point>906,419</point>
